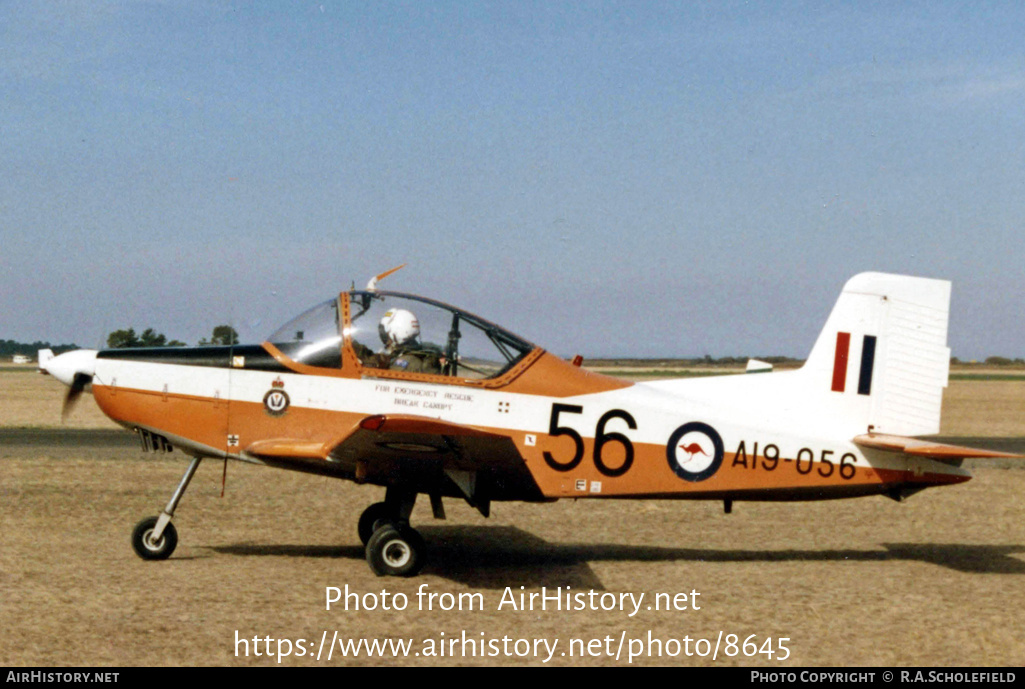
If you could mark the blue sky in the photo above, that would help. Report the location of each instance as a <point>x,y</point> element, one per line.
<point>609,178</point>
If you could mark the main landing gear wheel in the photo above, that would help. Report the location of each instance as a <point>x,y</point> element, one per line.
<point>148,549</point>
<point>368,520</point>
<point>396,550</point>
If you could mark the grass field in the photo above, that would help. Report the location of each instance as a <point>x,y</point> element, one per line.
<point>934,581</point>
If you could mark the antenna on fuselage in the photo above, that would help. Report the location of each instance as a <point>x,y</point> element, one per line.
<point>372,285</point>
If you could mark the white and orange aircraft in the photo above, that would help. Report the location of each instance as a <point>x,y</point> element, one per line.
<point>456,406</point>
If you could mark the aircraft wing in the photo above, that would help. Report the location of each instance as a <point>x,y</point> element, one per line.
<point>916,447</point>
<point>428,455</point>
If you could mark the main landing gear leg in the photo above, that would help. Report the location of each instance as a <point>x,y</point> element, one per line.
<point>155,538</point>
<point>393,547</point>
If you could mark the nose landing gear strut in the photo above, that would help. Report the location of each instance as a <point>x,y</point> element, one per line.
<point>155,538</point>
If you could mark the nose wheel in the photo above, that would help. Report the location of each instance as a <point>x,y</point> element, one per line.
<point>155,538</point>
<point>149,548</point>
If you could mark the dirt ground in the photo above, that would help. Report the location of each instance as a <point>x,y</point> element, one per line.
<point>935,581</point>
<point>29,399</point>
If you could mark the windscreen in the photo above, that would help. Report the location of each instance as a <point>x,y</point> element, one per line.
<point>313,337</point>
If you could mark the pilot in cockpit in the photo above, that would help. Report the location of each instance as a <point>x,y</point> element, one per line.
<point>403,351</point>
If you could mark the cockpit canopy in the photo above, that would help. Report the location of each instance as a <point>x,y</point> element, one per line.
<point>449,342</point>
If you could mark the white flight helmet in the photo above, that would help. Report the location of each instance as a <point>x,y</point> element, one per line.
<point>398,327</point>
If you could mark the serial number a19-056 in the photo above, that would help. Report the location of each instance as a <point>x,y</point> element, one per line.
<point>825,463</point>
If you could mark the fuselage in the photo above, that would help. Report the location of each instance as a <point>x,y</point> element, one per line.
<point>577,433</point>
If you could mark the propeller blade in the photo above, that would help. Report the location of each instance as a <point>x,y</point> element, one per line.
<point>75,390</point>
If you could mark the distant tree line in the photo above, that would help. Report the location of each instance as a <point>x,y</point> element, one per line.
<point>223,335</point>
<point>9,348</point>
<point>121,339</point>
<point>775,360</point>
<point>993,361</point>
<point>695,361</point>
<point>226,335</point>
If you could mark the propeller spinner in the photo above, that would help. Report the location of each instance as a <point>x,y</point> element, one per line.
<point>75,369</point>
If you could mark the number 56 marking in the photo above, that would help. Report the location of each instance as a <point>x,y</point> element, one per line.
<point>601,438</point>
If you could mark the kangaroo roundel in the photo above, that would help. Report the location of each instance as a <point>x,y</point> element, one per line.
<point>694,451</point>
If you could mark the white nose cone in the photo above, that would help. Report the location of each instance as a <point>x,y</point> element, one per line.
<point>66,366</point>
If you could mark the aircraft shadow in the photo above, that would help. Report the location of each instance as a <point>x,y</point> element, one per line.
<point>496,557</point>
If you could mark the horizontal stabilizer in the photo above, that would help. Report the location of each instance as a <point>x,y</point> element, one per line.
<point>916,447</point>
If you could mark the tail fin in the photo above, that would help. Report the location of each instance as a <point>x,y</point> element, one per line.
<point>879,365</point>
<point>882,355</point>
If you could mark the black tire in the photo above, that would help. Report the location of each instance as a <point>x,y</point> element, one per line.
<point>396,551</point>
<point>147,549</point>
<point>368,520</point>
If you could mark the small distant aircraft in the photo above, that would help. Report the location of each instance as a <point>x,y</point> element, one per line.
<point>420,397</point>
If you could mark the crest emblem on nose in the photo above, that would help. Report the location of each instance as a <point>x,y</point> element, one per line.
<point>276,401</point>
